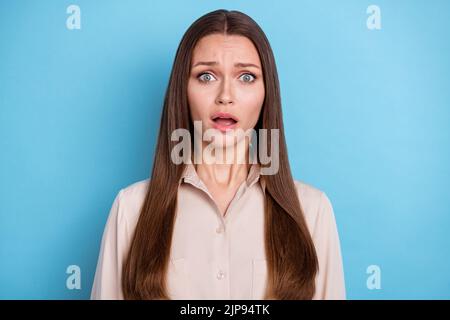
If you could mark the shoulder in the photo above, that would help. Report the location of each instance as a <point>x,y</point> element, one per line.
<point>129,200</point>
<point>134,191</point>
<point>310,196</point>
<point>316,205</point>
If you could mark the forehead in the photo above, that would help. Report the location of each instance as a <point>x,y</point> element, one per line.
<point>219,46</point>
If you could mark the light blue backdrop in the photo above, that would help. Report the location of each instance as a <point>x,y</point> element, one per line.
<point>366,115</point>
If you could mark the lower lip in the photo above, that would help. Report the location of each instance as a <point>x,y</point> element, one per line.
<point>223,128</point>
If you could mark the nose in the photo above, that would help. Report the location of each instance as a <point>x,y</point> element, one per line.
<point>225,95</point>
<point>224,100</point>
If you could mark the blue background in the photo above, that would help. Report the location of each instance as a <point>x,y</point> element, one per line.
<point>366,115</point>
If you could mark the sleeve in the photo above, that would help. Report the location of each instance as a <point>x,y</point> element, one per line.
<point>330,283</point>
<point>107,280</point>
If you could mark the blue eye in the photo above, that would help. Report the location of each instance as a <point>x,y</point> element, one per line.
<point>206,77</point>
<point>247,77</point>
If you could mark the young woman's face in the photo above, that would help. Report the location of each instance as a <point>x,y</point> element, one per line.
<point>225,81</point>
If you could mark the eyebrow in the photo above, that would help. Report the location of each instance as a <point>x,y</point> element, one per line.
<point>213,63</point>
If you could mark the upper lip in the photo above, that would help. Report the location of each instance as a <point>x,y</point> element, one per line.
<point>224,115</point>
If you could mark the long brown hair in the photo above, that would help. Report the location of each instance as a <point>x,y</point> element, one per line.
<point>291,256</point>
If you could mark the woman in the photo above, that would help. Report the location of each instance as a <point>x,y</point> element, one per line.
<point>204,229</point>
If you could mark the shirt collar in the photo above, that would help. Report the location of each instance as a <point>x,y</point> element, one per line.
<point>190,175</point>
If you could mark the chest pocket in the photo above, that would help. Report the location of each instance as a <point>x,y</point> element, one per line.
<point>178,285</point>
<point>259,279</point>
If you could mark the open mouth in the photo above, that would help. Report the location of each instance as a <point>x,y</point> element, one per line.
<point>224,121</point>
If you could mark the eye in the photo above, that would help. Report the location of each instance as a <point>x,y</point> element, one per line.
<point>206,77</point>
<point>248,77</point>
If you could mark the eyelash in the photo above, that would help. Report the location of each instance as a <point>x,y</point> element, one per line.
<point>247,82</point>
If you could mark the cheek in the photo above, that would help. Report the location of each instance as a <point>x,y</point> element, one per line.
<point>252,100</point>
<point>199,101</point>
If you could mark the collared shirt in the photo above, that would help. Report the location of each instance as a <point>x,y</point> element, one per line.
<point>215,256</point>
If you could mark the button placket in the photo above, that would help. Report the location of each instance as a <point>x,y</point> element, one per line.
<point>221,274</point>
<point>221,260</point>
<point>220,230</point>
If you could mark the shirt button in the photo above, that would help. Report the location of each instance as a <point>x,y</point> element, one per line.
<point>220,275</point>
<point>219,229</point>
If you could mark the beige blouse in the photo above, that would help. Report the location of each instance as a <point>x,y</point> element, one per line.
<point>214,256</point>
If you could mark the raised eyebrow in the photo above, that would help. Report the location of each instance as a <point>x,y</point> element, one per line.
<point>205,63</point>
<point>246,65</point>
<point>237,65</point>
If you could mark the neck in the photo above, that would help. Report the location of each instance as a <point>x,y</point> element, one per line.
<point>226,175</point>
<point>222,171</point>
